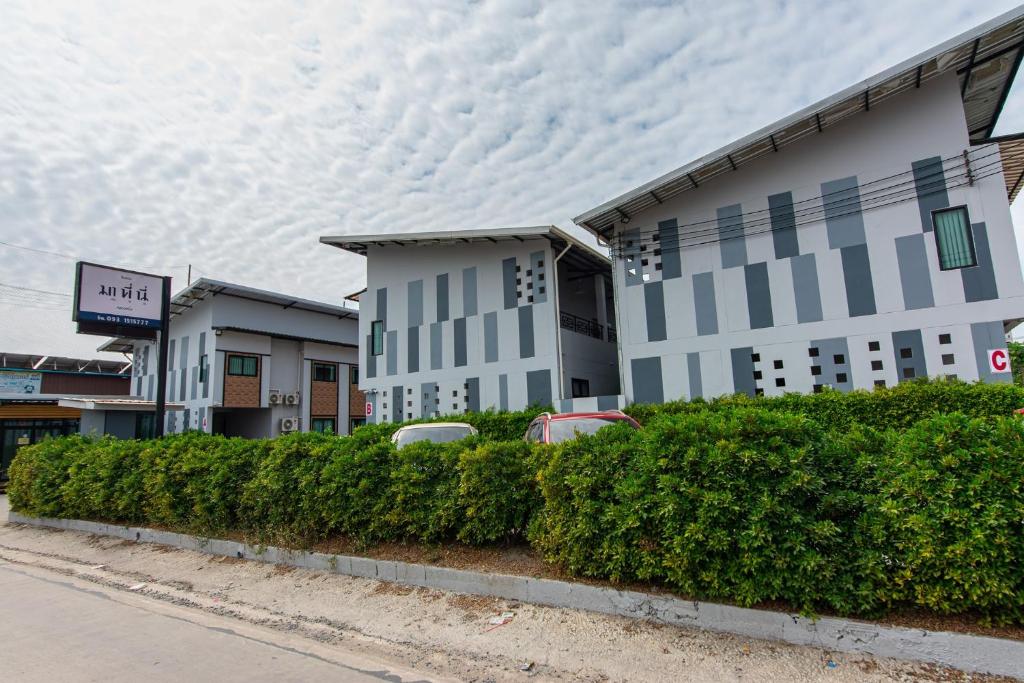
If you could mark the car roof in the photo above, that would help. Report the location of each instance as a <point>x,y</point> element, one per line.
<point>425,425</point>
<point>613,414</point>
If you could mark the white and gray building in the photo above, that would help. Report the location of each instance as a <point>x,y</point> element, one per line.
<point>473,320</point>
<point>247,362</point>
<point>863,241</point>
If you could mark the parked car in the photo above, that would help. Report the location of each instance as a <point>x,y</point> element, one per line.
<point>436,432</point>
<point>548,428</point>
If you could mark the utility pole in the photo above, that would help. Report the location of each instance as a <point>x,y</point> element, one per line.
<point>161,365</point>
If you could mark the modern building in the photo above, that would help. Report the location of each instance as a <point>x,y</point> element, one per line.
<point>863,241</point>
<point>484,319</point>
<point>31,387</point>
<point>252,363</point>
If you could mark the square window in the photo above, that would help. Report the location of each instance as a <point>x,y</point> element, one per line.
<point>385,404</point>
<point>755,357</point>
<point>519,294</point>
<point>657,236</point>
<point>519,281</point>
<point>879,382</point>
<point>757,374</point>
<point>876,365</point>
<point>529,286</point>
<point>874,346</point>
<point>408,416</point>
<point>409,392</point>
<point>455,392</point>
<point>643,248</point>
<point>529,272</point>
<point>909,373</point>
<point>529,299</point>
<point>906,353</point>
<point>947,359</point>
<point>951,378</point>
<point>643,262</point>
<point>780,381</point>
<point>758,392</point>
<point>839,359</point>
<point>518,268</point>
<point>541,289</point>
<point>455,406</point>
<point>657,252</point>
<point>953,238</point>
<point>540,277</point>
<point>657,266</point>
<point>815,370</point>
<point>945,339</point>
<point>540,263</point>
<point>777,364</point>
<point>817,388</point>
<point>408,404</point>
<point>813,352</point>
<point>840,378</point>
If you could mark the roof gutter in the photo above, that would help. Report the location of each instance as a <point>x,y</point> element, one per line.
<point>558,321</point>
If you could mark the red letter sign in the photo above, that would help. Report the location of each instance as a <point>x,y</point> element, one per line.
<point>369,409</point>
<point>998,360</point>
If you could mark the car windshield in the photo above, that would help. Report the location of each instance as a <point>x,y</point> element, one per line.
<point>563,430</point>
<point>435,434</point>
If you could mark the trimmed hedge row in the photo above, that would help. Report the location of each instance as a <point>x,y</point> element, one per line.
<point>736,499</point>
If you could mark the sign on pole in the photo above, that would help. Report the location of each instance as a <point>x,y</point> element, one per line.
<point>998,360</point>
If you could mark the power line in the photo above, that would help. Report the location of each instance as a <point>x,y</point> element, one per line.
<point>74,257</point>
<point>37,291</point>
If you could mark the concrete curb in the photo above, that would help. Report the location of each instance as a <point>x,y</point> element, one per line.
<point>965,652</point>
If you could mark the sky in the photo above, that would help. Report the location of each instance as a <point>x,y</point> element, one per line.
<point>232,135</point>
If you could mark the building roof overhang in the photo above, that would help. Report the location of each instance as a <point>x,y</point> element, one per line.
<point>99,403</point>
<point>985,59</point>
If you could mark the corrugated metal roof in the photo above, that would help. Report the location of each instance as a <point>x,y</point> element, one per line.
<point>203,288</point>
<point>986,59</point>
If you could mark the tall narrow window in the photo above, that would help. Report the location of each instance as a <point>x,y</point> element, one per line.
<point>377,337</point>
<point>953,238</point>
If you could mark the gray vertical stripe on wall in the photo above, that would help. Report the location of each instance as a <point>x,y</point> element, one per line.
<point>930,185</point>
<point>202,352</point>
<point>397,403</point>
<point>538,388</point>
<point>430,404</point>
<point>780,207</point>
<point>413,359</point>
<point>145,359</point>
<point>647,381</point>
<point>195,382</point>
<point>508,282</point>
<point>980,281</point>
<point>985,336</point>
<point>502,392</point>
<point>491,337</point>
<point>138,386</point>
<point>392,351</point>
<point>704,303</point>
<point>805,288</point>
<point>654,302</point>
<point>526,332</point>
<point>743,370</point>
<point>469,291</point>
<point>460,342</point>
<point>915,278</point>
<point>183,368</point>
<point>860,292</point>
<point>828,349</point>
<point>537,266</point>
<point>414,292</point>
<point>693,370</point>
<point>436,350</point>
<point>371,360</point>
<point>759,295</point>
<point>631,257</point>
<point>149,388</point>
<point>382,305</point>
<point>909,339</point>
<point>843,219</point>
<point>733,241</point>
<point>473,393</point>
<point>442,297</point>
<point>668,239</point>
<point>170,355</point>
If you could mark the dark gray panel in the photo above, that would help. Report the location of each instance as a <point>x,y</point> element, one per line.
<point>538,388</point>
<point>930,185</point>
<point>508,282</point>
<point>469,291</point>
<point>391,351</point>
<point>743,371</point>
<point>704,303</point>
<point>860,292</point>
<point>460,342</point>
<point>759,295</point>
<point>397,403</point>
<point>693,370</point>
<point>186,422</point>
<point>833,361</point>
<point>371,360</point>
<point>442,297</point>
<point>985,336</point>
<point>843,219</point>
<point>430,405</point>
<point>668,240</point>
<point>145,358</point>
<point>413,346</point>
<point>183,368</point>
<point>138,386</point>
<point>654,302</point>
<point>502,392</point>
<point>980,281</point>
<point>491,337</point>
<point>170,354</point>
<point>647,380</point>
<point>120,424</point>
<point>780,207</point>
<point>473,394</point>
<point>382,305</point>
<point>915,278</point>
<point>414,293</point>
<point>540,289</point>
<point>436,350</point>
<point>202,352</point>
<point>909,339</point>
<point>733,241</point>
<point>805,288</point>
<point>149,388</point>
<point>195,383</point>
<point>607,402</point>
<point>526,349</point>
<point>630,241</point>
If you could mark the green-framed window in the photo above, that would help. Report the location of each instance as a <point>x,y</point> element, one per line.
<point>324,425</point>
<point>204,368</point>
<point>953,238</point>
<point>325,372</point>
<point>244,366</point>
<point>377,337</point>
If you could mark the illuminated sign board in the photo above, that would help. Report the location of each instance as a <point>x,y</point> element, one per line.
<point>117,297</point>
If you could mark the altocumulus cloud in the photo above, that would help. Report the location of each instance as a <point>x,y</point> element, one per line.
<point>231,135</point>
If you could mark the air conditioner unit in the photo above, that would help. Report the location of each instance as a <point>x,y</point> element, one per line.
<point>289,424</point>
<point>275,398</point>
<point>292,399</point>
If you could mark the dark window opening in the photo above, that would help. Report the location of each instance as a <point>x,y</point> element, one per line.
<point>909,373</point>
<point>243,366</point>
<point>874,346</point>
<point>876,365</point>
<point>757,374</point>
<point>755,357</point>
<point>840,378</point>
<point>945,339</point>
<point>817,388</point>
<point>879,382</point>
<point>815,370</point>
<point>813,352</point>
<point>839,359</point>
<point>580,388</point>
<point>325,372</point>
<point>778,364</point>
<point>780,381</point>
<point>947,359</point>
<point>906,353</point>
<point>377,337</point>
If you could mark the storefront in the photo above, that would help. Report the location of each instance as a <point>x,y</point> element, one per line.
<point>25,423</point>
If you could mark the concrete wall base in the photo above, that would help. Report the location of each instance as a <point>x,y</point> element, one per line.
<point>966,652</point>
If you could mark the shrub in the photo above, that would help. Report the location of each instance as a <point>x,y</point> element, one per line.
<point>497,491</point>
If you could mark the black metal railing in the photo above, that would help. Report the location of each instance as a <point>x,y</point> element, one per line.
<point>580,325</point>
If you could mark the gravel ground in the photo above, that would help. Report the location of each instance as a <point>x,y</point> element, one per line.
<point>445,633</point>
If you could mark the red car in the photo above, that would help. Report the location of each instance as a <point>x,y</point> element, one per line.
<point>548,428</point>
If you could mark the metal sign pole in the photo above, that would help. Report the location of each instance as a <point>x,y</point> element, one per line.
<point>161,371</point>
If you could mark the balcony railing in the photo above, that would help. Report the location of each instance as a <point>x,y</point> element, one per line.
<point>583,326</point>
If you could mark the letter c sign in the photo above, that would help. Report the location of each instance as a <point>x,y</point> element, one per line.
<point>998,360</point>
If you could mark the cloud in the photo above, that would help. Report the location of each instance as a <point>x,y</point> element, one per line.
<point>231,136</point>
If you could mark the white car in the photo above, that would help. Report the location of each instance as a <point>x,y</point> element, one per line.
<point>436,432</point>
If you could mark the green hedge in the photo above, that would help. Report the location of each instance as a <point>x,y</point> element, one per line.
<point>806,500</point>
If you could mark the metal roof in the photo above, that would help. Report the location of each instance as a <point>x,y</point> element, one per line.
<point>41,363</point>
<point>985,59</point>
<point>358,244</point>
<point>104,403</point>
